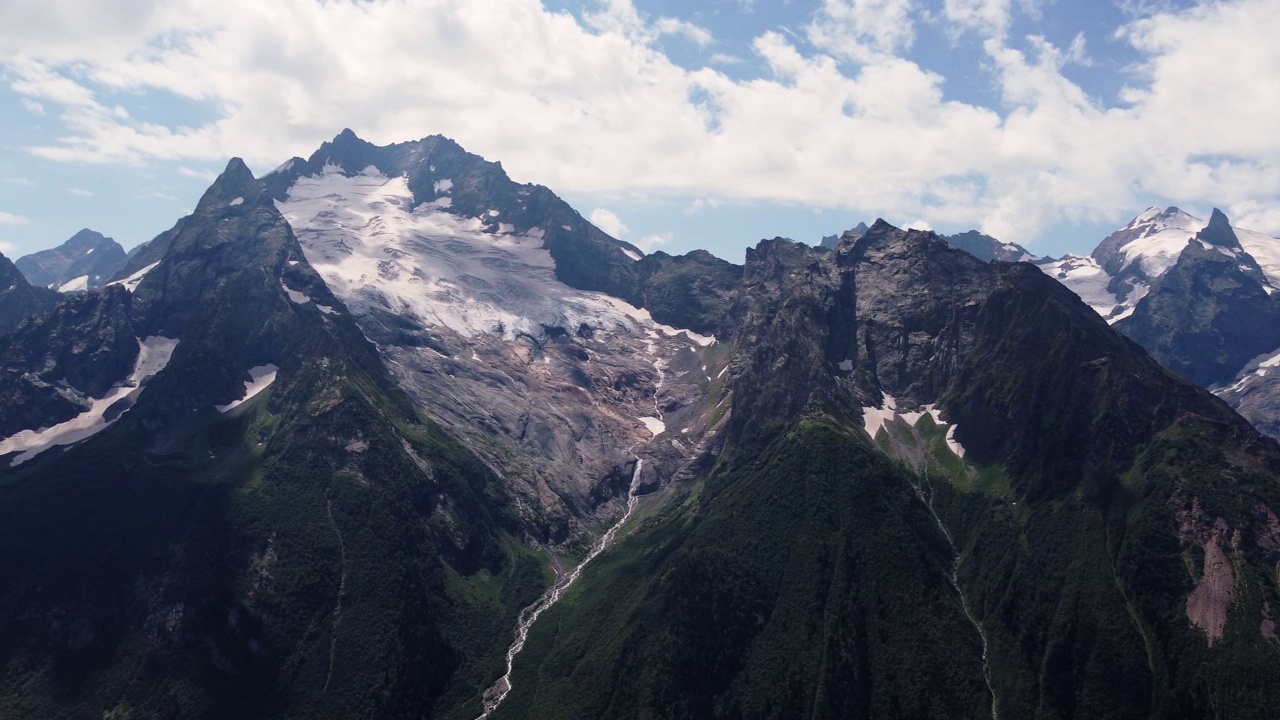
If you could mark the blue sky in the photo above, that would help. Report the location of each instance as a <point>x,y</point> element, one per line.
<point>676,125</point>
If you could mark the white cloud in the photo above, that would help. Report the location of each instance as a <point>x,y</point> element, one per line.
<point>80,192</point>
<point>204,175</point>
<point>689,31</point>
<point>700,204</point>
<point>32,107</point>
<point>597,108</point>
<point>989,18</point>
<point>918,225</point>
<point>853,28</point>
<point>8,248</point>
<point>11,219</point>
<point>609,222</point>
<point>649,242</point>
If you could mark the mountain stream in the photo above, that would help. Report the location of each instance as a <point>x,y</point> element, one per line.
<point>494,696</point>
<point>927,500</point>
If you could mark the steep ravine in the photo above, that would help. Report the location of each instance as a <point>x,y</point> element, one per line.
<point>924,491</point>
<point>497,693</point>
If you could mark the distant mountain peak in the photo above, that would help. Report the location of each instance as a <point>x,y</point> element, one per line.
<point>831,241</point>
<point>86,260</point>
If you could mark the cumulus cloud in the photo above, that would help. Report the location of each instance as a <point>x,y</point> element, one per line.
<point>649,242</point>
<point>857,28</point>
<point>840,119</point>
<point>609,222</point>
<point>11,219</point>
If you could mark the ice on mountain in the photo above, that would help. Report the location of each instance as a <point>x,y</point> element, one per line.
<point>298,298</point>
<point>261,378</point>
<point>846,365</point>
<point>373,247</point>
<point>75,284</point>
<point>237,201</point>
<point>653,425</point>
<point>631,254</point>
<point>954,444</point>
<point>154,354</point>
<point>874,418</point>
<point>131,283</point>
<point>442,186</point>
<point>1086,278</point>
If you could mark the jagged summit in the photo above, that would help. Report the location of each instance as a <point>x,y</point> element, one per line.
<point>236,186</point>
<point>1219,232</point>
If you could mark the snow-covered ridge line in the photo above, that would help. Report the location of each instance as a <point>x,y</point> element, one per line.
<point>153,355</point>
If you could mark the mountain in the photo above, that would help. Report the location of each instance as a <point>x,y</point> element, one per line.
<point>217,504</point>
<point>483,297</point>
<point>947,489</point>
<point>18,299</point>
<point>386,433</point>
<point>1200,297</point>
<point>831,241</point>
<point>985,247</point>
<point>87,260</point>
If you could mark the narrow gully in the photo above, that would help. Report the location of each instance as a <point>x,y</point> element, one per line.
<point>927,500</point>
<point>497,693</point>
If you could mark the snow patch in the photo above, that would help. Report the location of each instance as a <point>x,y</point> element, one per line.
<point>295,297</point>
<point>846,365</point>
<point>1265,251</point>
<point>642,315</point>
<point>131,283</point>
<point>237,201</point>
<point>631,254</point>
<point>875,418</point>
<point>154,354</point>
<point>262,377</point>
<point>954,444</point>
<point>654,425</point>
<point>75,285</point>
<point>326,309</point>
<point>442,186</point>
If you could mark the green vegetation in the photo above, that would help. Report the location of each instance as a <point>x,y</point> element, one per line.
<point>318,552</point>
<point>791,584</point>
